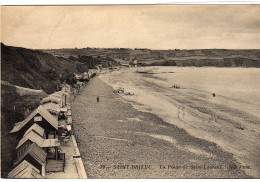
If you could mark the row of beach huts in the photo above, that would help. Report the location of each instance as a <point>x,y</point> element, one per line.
<point>45,131</point>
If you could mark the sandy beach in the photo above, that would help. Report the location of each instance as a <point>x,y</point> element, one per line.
<point>118,141</point>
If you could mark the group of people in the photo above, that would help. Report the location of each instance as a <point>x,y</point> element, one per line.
<point>176,86</point>
<point>119,90</point>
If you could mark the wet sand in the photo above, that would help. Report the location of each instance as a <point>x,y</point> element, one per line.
<point>118,141</point>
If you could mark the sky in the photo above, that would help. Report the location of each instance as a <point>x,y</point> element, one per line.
<point>132,26</point>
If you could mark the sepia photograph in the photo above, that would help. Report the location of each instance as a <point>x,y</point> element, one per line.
<point>130,91</point>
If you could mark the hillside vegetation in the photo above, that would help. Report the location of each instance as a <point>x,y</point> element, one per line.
<point>35,69</point>
<point>195,57</point>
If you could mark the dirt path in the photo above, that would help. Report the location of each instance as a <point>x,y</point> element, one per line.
<point>117,141</point>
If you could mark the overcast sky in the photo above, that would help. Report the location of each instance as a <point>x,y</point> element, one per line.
<point>155,27</point>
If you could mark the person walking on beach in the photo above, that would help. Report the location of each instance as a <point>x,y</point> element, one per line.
<point>97,98</point>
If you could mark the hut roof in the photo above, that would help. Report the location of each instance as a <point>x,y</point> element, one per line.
<point>51,98</point>
<point>64,84</point>
<point>36,128</point>
<point>43,112</point>
<point>52,107</point>
<point>25,170</point>
<point>36,152</point>
<point>57,94</point>
<point>35,138</point>
<point>32,136</point>
<point>66,87</point>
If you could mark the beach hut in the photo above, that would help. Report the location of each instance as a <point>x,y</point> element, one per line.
<point>25,170</point>
<point>27,141</point>
<point>43,118</point>
<point>68,91</point>
<point>33,137</point>
<point>51,99</point>
<point>36,156</point>
<point>65,87</point>
<point>53,108</point>
<point>61,96</point>
<point>80,85</point>
<point>57,97</point>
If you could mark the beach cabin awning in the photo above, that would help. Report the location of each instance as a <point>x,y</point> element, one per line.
<point>63,109</point>
<point>41,111</point>
<point>36,128</point>
<point>51,143</point>
<point>36,152</point>
<point>25,170</point>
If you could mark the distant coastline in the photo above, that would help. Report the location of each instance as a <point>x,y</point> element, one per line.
<point>172,57</point>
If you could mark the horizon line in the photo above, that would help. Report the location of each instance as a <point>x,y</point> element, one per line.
<point>138,48</point>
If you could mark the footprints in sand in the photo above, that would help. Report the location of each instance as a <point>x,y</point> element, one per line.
<point>178,145</point>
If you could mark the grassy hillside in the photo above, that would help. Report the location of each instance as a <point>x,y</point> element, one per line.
<point>35,69</point>
<point>196,57</point>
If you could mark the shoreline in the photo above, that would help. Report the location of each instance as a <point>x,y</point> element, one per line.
<point>147,133</point>
<point>198,114</point>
